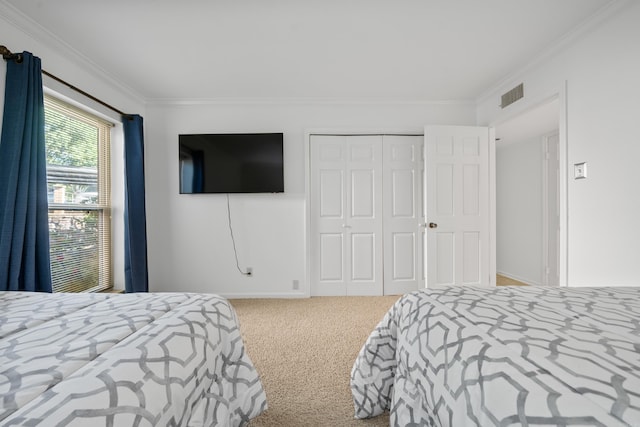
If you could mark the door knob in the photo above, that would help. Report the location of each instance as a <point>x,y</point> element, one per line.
<point>433,225</point>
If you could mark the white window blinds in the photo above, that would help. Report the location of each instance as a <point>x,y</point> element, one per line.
<point>78,180</point>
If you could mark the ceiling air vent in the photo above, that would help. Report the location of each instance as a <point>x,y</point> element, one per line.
<point>512,96</point>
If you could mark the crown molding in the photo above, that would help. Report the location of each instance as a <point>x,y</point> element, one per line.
<point>588,25</point>
<point>43,36</point>
<point>40,34</point>
<point>310,101</point>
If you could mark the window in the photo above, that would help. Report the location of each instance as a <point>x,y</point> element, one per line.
<point>78,180</point>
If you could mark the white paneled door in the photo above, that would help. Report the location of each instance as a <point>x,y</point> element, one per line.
<point>346,212</point>
<point>366,214</point>
<point>457,205</point>
<point>403,166</point>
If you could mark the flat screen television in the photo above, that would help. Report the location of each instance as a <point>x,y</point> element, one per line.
<point>231,163</point>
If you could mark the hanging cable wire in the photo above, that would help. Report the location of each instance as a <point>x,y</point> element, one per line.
<point>233,240</point>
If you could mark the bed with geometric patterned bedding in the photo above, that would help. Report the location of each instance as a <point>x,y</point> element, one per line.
<point>124,360</point>
<point>508,356</point>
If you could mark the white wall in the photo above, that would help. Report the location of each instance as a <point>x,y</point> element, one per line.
<point>189,244</point>
<point>519,210</point>
<point>81,74</point>
<point>601,69</point>
<point>58,60</point>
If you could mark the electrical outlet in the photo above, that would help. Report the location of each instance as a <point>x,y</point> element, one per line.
<point>296,285</point>
<point>249,271</point>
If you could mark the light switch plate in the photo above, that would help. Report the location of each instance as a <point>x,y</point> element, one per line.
<point>580,170</point>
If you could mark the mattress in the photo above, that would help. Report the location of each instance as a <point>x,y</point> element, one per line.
<point>124,360</point>
<point>471,356</point>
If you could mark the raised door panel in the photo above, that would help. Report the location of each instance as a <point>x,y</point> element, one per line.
<point>444,250</point>
<point>403,200</point>
<point>363,258</point>
<point>331,257</point>
<point>331,189</point>
<point>404,256</point>
<point>471,190</point>
<point>471,259</point>
<point>444,184</point>
<point>363,197</point>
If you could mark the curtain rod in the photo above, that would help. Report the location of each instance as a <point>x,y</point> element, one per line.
<point>8,56</point>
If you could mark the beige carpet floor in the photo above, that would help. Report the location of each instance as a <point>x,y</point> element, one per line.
<point>507,281</point>
<point>303,350</point>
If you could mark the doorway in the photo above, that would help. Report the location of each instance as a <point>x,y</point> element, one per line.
<point>528,196</point>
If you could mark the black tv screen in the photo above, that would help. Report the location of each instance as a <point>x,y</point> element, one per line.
<point>231,163</point>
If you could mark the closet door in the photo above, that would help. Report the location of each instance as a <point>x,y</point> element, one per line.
<point>346,215</point>
<point>403,171</point>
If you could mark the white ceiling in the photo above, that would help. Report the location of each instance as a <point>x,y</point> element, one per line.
<point>428,50</point>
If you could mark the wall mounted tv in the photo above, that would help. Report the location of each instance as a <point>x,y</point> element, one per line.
<point>231,163</point>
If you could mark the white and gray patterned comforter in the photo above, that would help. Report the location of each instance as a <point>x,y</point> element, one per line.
<point>124,360</point>
<point>508,356</point>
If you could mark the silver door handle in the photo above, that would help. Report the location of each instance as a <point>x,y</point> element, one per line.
<point>346,226</point>
<point>433,225</point>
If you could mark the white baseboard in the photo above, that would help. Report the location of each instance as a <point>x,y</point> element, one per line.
<point>269,295</point>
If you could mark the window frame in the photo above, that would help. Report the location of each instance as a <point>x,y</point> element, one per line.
<point>103,207</point>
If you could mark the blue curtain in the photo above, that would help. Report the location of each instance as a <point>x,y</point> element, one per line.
<point>24,226</point>
<point>135,223</point>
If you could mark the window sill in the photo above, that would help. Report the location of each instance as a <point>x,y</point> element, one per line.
<point>112,291</point>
